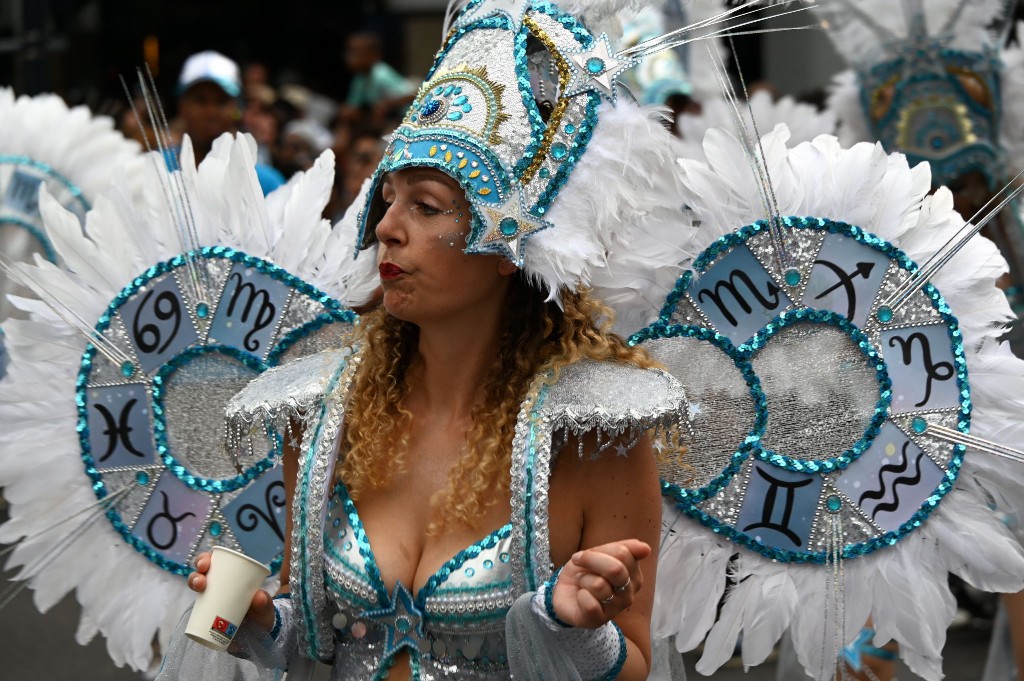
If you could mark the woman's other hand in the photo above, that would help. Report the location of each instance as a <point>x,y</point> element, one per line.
<point>261,610</point>
<point>600,582</point>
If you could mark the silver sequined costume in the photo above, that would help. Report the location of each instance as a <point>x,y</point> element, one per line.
<point>454,627</point>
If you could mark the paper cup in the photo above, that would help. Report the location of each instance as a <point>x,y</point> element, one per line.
<point>231,582</point>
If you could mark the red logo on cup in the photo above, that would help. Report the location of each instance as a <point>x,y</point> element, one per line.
<point>222,625</point>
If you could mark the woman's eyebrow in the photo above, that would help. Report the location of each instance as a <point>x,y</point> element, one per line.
<point>427,175</point>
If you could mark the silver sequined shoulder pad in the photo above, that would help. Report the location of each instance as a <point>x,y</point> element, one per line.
<point>285,392</point>
<point>613,398</point>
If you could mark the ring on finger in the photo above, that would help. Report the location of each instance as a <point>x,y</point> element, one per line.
<point>606,601</point>
<point>621,589</point>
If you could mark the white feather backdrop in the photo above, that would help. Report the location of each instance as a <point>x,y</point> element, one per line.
<point>124,596</point>
<point>902,589</point>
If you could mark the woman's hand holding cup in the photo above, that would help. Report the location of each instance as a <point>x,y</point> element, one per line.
<point>220,629</point>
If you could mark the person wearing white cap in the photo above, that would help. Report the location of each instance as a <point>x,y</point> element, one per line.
<point>208,104</point>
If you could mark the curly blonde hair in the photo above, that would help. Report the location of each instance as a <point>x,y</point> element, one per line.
<point>537,336</point>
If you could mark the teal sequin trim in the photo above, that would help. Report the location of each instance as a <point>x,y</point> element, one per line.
<point>48,170</point>
<point>549,605</point>
<point>48,251</point>
<point>620,662</point>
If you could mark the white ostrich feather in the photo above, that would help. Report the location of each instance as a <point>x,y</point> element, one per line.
<point>804,121</point>
<point>862,44</point>
<point>84,148</point>
<point>618,221</point>
<point>124,596</point>
<point>1011,86</point>
<point>902,589</point>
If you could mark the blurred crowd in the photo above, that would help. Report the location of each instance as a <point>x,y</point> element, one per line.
<point>292,125</point>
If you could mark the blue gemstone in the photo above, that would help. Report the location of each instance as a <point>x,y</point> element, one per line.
<point>595,65</point>
<point>558,151</point>
<point>127,369</point>
<point>919,425</point>
<point>470,572</point>
<point>215,529</point>
<point>431,108</point>
<point>142,477</point>
<point>508,227</point>
<point>403,624</point>
<point>792,277</point>
<point>545,173</point>
<point>202,310</point>
<point>488,563</point>
<point>570,129</point>
<point>455,116</point>
<point>504,557</point>
<point>884,314</point>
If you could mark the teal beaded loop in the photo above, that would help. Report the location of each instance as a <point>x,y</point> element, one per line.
<point>688,500</point>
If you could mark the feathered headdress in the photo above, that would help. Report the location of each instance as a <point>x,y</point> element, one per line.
<point>72,153</point>
<point>521,108</point>
<point>928,80</point>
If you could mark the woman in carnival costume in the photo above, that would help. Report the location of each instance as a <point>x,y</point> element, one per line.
<point>488,380</point>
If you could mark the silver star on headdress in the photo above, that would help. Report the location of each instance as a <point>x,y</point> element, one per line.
<point>507,227</point>
<point>514,9</point>
<point>597,69</point>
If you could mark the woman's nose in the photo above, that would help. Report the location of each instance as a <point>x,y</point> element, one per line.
<point>390,230</point>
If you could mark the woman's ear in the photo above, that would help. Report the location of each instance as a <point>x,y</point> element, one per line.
<point>506,267</point>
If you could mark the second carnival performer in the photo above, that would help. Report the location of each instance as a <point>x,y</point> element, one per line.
<point>487,382</point>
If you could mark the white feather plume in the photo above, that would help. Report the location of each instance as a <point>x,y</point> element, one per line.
<point>84,148</point>
<point>124,596</point>
<point>863,44</point>
<point>804,121</point>
<point>618,223</point>
<point>902,589</point>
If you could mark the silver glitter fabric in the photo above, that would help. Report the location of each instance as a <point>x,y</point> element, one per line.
<point>824,407</point>
<point>719,411</point>
<point>279,396</point>
<point>194,399</point>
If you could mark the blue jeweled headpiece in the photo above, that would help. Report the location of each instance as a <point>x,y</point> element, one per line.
<point>508,108</point>
<point>933,93</point>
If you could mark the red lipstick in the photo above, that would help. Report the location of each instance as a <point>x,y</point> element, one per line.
<point>390,271</point>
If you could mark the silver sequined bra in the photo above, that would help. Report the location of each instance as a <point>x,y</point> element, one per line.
<point>455,622</point>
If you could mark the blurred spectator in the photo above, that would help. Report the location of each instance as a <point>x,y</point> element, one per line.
<point>376,90</point>
<point>138,128</point>
<point>301,142</point>
<point>359,152</point>
<point>254,75</point>
<point>259,121</point>
<point>208,94</point>
<point>365,152</point>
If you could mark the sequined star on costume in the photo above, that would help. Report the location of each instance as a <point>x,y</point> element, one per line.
<point>513,9</point>
<point>597,69</point>
<point>402,620</point>
<point>507,227</point>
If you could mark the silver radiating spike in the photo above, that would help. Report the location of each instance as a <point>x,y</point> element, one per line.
<point>974,442</point>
